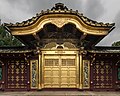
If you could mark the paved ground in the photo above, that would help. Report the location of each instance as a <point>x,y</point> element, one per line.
<point>60,93</point>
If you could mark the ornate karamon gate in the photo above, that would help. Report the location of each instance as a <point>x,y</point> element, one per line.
<point>60,67</point>
<point>59,52</point>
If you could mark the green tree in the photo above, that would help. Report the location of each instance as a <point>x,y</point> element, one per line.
<point>6,39</point>
<point>116,43</point>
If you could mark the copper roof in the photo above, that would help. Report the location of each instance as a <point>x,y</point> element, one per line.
<point>18,49</point>
<point>105,49</point>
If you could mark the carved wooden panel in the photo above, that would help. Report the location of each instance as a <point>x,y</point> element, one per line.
<point>86,74</point>
<point>17,74</point>
<point>34,74</point>
<point>102,74</point>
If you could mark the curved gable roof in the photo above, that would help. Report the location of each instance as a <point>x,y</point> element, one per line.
<point>30,32</point>
<point>59,15</point>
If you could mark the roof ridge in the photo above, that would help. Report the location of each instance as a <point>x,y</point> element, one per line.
<point>59,8</point>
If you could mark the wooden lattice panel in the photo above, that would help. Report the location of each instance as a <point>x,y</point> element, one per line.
<point>102,75</point>
<point>17,74</point>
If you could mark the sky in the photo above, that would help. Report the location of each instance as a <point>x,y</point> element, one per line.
<point>107,11</point>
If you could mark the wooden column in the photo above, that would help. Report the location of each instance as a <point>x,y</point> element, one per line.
<point>80,72</point>
<point>3,76</point>
<point>40,72</point>
<point>28,76</point>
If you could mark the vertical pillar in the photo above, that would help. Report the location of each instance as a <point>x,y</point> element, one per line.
<point>39,72</point>
<point>3,76</point>
<point>80,71</point>
<point>28,76</point>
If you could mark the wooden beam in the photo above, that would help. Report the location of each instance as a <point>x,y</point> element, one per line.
<point>45,29</point>
<point>74,30</point>
<point>83,36</point>
<point>37,38</point>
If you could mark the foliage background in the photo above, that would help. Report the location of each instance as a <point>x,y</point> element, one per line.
<point>6,39</point>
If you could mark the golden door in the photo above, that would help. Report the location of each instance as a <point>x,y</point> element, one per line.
<point>59,71</point>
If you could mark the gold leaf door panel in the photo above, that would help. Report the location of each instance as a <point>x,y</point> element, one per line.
<point>59,72</point>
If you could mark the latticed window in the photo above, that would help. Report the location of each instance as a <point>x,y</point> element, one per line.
<point>0,72</point>
<point>118,75</point>
<point>51,62</point>
<point>68,62</point>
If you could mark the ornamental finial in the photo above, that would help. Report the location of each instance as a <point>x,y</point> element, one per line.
<point>59,6</point>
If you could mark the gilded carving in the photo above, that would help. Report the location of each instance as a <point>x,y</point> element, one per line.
<point>12,78</point>
<point>59,20</point>
<point>102,78</point>
<point>34,74</point>
<point>22,78</point>
<point>97,78</point>
<point>102,71</point>
<point>17,71</point>
<point>86,71</point>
